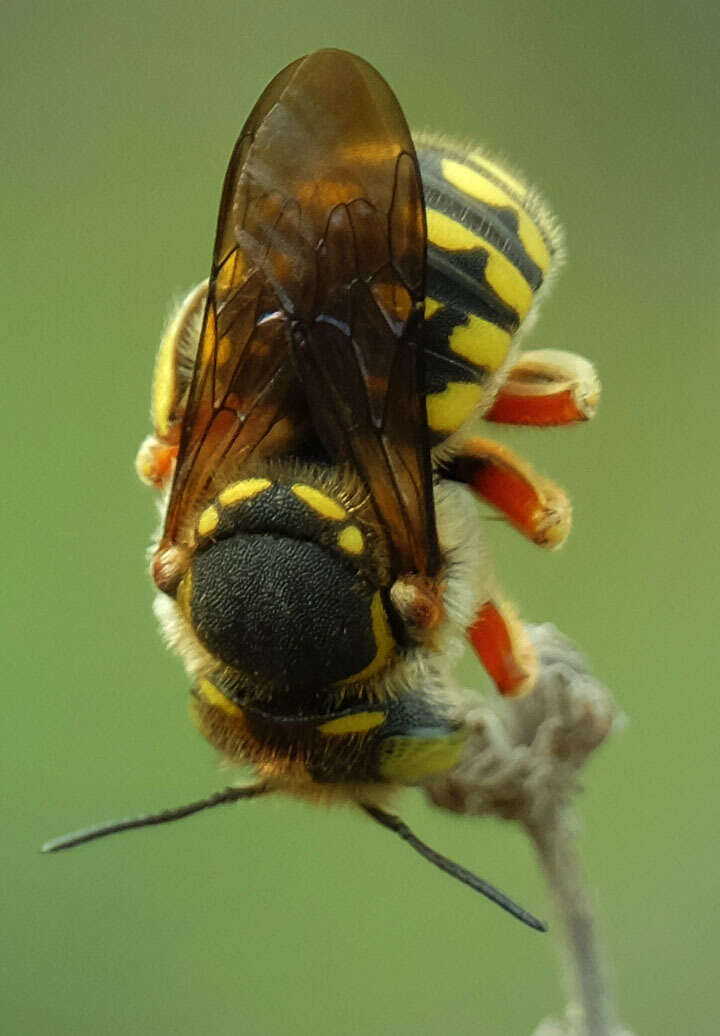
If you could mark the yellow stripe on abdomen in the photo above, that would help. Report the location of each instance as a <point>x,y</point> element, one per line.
<point>481,342</point>
<point>449,409</point>
<point>450,235</point>
<point>475,185</point>
<point>515,186</point>
<point>502,277</point>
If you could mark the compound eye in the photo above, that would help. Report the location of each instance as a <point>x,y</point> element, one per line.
<point>285,612</point>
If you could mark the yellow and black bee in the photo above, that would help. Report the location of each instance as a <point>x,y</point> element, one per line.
<point>321,562</point>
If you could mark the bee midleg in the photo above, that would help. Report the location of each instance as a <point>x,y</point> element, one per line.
<point>533,504</point>
<point>155,461</point>
<point>547,387</point>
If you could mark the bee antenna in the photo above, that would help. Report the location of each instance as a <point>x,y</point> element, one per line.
<point>394,823</point>
<point>111,827</point>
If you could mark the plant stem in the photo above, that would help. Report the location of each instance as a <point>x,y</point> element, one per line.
<point>585,969</point>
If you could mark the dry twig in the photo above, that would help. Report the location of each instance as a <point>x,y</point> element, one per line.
<point>522,764</point>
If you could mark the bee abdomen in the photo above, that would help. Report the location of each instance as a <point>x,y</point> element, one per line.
<point>491,246</point>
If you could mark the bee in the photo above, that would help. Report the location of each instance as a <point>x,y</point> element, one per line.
<point>321,562</point>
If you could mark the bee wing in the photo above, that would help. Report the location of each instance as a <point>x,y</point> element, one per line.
<point>315,297</point>
<point>242,377</point>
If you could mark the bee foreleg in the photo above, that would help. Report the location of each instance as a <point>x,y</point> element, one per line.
<point>503,647</point>
<point>155,462</point>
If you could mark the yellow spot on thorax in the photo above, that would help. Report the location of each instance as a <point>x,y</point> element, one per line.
<point>384,641</point>
<point>483,189</point>
<point>357,723</point>
<point>412,758</point>
<point>351,540</point>
<point>213,696</point>
<point>505,279</point>
<point>320,502</point>
<point>449,409</point>
<point>239,491</point>
<point>208,522</point>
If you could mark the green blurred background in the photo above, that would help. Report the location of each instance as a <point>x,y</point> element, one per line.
<point>118,120</point>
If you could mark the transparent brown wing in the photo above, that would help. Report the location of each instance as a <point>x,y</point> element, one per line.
<point>315,298</point>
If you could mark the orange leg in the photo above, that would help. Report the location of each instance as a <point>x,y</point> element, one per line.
<point>503,648</point>
<point>547,387</point>
<point>536,506</point>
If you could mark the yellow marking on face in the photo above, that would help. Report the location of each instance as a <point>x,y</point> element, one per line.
<point>448,409</point>
<point>238,491</point>
<point>482,342</point>
<point>412,758</point>
<point>517,187</point>
<point>431,307</point>
<point>357,723</point>
<point>351,540</point>
<point>213,696</point>
<point>475,185</point>
<point>384,641</point>
<point>208,522</point>
<point>320,502</point>
<point>505,279</point>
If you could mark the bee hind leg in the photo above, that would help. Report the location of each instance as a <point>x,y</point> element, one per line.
<point>547,387</point>
<point>533,504</point>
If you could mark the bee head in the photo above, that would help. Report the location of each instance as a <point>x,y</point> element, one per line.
<point>285,588</point>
